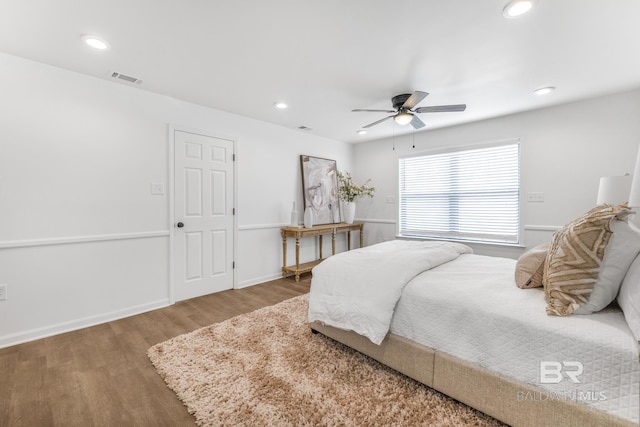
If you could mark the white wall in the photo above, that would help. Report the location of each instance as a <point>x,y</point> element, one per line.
<point>564,152</point>
<point>82,240</point>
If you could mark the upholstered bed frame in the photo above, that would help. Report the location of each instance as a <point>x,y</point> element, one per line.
<point>493,394</point>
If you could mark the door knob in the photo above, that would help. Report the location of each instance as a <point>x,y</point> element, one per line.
<point>180,225</point>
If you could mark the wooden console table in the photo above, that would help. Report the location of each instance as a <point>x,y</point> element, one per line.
<point>316,230</point>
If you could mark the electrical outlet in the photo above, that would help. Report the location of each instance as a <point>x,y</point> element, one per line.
<point>3,292</point>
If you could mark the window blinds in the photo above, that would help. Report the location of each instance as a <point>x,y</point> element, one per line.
<point>470,194</point>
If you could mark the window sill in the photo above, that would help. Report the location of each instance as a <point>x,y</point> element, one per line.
<point>464,242</point>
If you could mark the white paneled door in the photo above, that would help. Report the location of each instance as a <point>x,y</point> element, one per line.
<point>203,212</point>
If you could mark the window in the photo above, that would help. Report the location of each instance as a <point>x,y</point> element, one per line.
<point>469,194</point>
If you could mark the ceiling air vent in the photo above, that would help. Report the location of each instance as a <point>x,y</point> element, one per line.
<point>119,76</point>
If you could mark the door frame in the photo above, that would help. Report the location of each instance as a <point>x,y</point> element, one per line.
<point>172,129</point>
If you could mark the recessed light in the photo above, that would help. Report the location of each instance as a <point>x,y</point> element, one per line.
<point>281,105</point>
<point>361,132</point>
<point>516,8</point>
<point>544,90</point>
<point>95,42</point>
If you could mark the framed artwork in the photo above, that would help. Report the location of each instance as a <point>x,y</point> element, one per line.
<point>320,187</point>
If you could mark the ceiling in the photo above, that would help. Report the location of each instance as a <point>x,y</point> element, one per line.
<point>325,58</point>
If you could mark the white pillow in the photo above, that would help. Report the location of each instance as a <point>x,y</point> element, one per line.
<point>629,298</point>
<point>622,249</point>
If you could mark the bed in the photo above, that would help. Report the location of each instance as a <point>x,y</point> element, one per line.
<point>457,322</point>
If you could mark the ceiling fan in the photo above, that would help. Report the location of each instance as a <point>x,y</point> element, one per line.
<point>405,112</point>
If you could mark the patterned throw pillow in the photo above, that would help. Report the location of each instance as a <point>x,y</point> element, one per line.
<point>530,267</point>
<point>622,249</point>
<point>573,262</point>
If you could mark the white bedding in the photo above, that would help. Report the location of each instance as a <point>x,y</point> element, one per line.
<point>358,290</point>
<point>471,308</point>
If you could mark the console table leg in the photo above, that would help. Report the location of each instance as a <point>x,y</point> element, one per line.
<point>284,255</point>
<point>348,240</point>
<point>333,242</point>
<point>297,257</point>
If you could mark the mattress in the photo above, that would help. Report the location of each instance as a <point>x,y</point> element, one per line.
<point>471,308</point>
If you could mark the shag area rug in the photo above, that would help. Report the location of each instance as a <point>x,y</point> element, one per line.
<point>266,368</point>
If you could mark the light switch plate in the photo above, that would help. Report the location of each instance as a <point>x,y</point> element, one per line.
<point>157,188</point>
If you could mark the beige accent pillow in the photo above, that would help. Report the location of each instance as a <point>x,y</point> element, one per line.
<point>530,267</point>
<point>574,259</point>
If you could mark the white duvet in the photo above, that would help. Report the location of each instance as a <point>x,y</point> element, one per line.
<point>358,290</point>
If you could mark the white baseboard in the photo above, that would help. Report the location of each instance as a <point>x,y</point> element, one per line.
<point>258,280</point>
<point>60,328</point>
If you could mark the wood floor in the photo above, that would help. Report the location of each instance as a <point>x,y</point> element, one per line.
<point>101,376</point>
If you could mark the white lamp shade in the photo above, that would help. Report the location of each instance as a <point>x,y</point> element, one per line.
<point>634,196</point>
<point>614,190</point>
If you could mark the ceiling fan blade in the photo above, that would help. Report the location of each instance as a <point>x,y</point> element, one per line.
<point>414,99</point>
<point>416,122</point>
<point>379,121</point>
<point>375,111</point>
<point>442,108</point>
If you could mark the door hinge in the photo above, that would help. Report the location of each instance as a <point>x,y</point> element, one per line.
<point>233,265</point>
<point>234,157</point>
<point>233,211</point>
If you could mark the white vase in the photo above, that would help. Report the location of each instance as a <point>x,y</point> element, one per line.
<point>294,216</point>
<point>349,211</point>
<point>308,217</point>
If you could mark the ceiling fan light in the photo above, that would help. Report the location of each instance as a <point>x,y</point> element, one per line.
<point>403,118</point>
<point>516,8</point>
